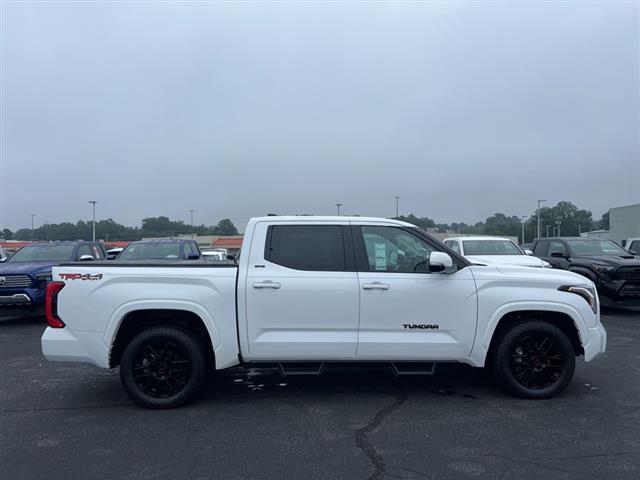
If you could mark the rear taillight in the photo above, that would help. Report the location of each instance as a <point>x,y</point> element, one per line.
<point>51,305</point>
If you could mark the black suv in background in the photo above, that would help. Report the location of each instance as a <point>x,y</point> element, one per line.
<point>615,271</point>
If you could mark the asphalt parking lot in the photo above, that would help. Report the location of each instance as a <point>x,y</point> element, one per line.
<point>62,421</point>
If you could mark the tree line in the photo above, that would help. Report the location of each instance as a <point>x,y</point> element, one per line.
<point>572,221</point>
<point>110,230</point>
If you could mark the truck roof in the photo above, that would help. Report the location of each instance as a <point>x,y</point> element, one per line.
<point>329,218</point>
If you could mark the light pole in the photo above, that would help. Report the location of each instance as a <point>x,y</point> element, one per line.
<point>397,197</point>
<point>93,207</point>
<point>548,230</point>
<point>339,205</point>
<point>32,217</point>
<point>524,217</point>
<point>191,213</point>
<point>558,222</point>
<point>539,202</point>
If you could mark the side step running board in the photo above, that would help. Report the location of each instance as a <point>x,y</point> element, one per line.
<point>413,368</point>
<point>301,368</point>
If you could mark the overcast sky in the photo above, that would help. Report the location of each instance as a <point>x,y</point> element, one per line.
<point>240,110</point>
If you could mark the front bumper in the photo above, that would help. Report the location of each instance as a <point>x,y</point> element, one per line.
<point>24,298</point>
<point>596,343</point>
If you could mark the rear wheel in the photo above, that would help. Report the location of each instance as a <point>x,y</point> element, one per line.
<point>162,367</point>
<point>534,359</point>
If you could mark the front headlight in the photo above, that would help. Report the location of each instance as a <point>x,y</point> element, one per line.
<point>44,277</point>
<point>585,291</point>
<point>546,265</point>
<point>602,268</point>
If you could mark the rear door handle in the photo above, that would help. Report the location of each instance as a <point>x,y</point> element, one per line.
<point>267,284</point>
<point>376,286</point>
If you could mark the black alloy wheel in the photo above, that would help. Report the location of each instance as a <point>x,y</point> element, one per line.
<point>163,367</point>
<point>533,359</point>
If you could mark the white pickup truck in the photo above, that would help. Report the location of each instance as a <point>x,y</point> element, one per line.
<point>312,290</point>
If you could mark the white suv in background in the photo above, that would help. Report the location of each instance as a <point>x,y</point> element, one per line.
<point>493,251</point>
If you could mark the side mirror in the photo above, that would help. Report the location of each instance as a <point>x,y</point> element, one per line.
<point>528,252</point>
<point>86,258</point>
<point>193,256</point>
<point>440,262</point>
<point>557,254</point>
<point>632,252</point>
<point>2,260</point>
<point>231,257</point>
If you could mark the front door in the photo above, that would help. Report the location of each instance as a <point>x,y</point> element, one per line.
<point>406,312</point>
<point>302,293</point>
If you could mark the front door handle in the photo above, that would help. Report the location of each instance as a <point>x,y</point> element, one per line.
<point>376,286</point>
<point>267,284</point>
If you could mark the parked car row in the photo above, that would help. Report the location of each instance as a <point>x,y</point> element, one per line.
<point>24,276</point>
<point>614,270</point>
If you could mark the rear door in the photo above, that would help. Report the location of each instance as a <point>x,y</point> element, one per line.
<point>406,312</point>
<point>301,292</point>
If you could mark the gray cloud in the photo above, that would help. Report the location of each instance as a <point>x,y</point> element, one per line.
<point>237,111</point>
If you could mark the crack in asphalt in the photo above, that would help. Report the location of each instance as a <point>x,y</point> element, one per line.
<point>364,444</point>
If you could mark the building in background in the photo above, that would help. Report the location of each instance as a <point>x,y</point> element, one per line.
<point>624,222</point>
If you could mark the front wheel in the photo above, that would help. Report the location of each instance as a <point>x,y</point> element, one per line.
<point>162,367</point>
<point>534,359</point>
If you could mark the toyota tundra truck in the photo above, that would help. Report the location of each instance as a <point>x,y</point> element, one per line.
<point>307,292</point>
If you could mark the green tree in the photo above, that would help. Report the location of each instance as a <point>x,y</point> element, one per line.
<point>7,234</point>
<point>225,227</point>
<point>423,222</point>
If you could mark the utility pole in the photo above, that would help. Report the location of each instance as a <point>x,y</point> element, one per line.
<point>397,197</point>
<point>524,217</point>
<point>191,212</point>
<point>32,216</point>
<point>93,207</point>
<point>339,205</point>
<point>539,202</point>
<point>558,222</point>
<point>548,230</point>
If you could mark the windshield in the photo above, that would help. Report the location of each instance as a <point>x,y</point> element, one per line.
<point>151,251</point>
<point>490,247</point>
<point>43,253</point>
<point>596,247</point>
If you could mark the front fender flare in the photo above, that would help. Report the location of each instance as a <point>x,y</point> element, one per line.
<point>481,348</point>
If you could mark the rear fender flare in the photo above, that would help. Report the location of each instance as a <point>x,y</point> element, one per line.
<point>125,309</point>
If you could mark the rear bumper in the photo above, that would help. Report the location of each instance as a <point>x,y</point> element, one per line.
<point>63,345</point>
<point>596,343</point>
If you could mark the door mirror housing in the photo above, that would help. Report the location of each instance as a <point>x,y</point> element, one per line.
<point>558,254</point>
<point>528,252</point>
<point>440,262</point>
<point>193,256</point>
<point>86,258</point>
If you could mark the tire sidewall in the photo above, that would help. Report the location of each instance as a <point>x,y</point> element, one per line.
<point>503,369</point>
<point>191,347</point>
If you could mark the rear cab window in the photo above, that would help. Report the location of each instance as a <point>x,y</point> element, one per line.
<point>307,247</point>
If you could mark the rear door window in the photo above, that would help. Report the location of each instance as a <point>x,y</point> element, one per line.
<point>307,247</point>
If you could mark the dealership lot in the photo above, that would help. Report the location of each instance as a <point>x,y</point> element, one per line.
<point>74,421</point>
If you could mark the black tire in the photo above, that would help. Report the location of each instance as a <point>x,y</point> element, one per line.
<point>534,359</point>
<point>163,367</point>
